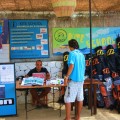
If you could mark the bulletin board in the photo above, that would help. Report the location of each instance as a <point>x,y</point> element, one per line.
<point>7,90</point>
<point>28,39</point>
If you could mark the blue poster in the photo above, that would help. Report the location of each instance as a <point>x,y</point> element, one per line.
<point>29,39</point>
<point>3,32</point>
<point>7,90</point>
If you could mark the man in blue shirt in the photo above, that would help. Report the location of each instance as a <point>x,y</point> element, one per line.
<point>74,79</point>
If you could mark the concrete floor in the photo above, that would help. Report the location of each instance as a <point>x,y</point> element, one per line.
<point>54,114</point>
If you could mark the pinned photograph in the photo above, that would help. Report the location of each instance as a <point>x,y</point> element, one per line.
<point>39,47</point>
<point>44,52</point>
<point>43,30</point>
<point>44,41</point>
<point>39,36</point>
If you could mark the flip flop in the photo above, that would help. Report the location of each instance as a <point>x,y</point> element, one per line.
<point>38,106</point>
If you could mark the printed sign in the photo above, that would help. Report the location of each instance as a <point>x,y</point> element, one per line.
<point>7,90</point>
<point>28,38</point>
<point>100,37</point>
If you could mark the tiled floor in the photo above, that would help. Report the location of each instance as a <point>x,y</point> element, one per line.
<point>54,114</point>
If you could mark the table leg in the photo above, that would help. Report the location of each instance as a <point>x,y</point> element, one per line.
<point>53,98</point>
<point>75,107</point>
<point>60,102</point>
<point>89,98</point>
<point>26,93</point>
<point>95,99</point>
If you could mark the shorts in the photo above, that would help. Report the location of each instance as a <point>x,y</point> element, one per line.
<point>40,89</point>
<point>74,91</point>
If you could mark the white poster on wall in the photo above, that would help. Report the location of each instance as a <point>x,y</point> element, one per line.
<point>4,54</point>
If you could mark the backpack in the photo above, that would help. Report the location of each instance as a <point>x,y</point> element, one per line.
<point>107,98</point>
<point>116,94</point>
<point>116,90</point>
<point>100,101</point>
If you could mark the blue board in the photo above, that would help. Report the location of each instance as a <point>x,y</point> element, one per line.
<point>29,39</point>
<point>7,90</point>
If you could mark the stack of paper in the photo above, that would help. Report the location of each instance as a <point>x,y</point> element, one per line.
<point>55,81</point>
<point>32,81</point>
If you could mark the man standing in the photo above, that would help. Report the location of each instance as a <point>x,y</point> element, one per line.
<point>74,79</point>
<point>44,91</point>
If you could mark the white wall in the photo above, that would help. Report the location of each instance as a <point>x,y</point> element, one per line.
<point>54,68</point>
<point>21,69</point>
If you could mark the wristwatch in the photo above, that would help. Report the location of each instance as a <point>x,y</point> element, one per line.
<point>66,77</point>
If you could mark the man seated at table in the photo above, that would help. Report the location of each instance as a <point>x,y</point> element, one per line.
<point>43,91</point>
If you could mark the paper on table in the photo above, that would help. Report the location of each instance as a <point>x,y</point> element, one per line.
<point>32,81</point>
